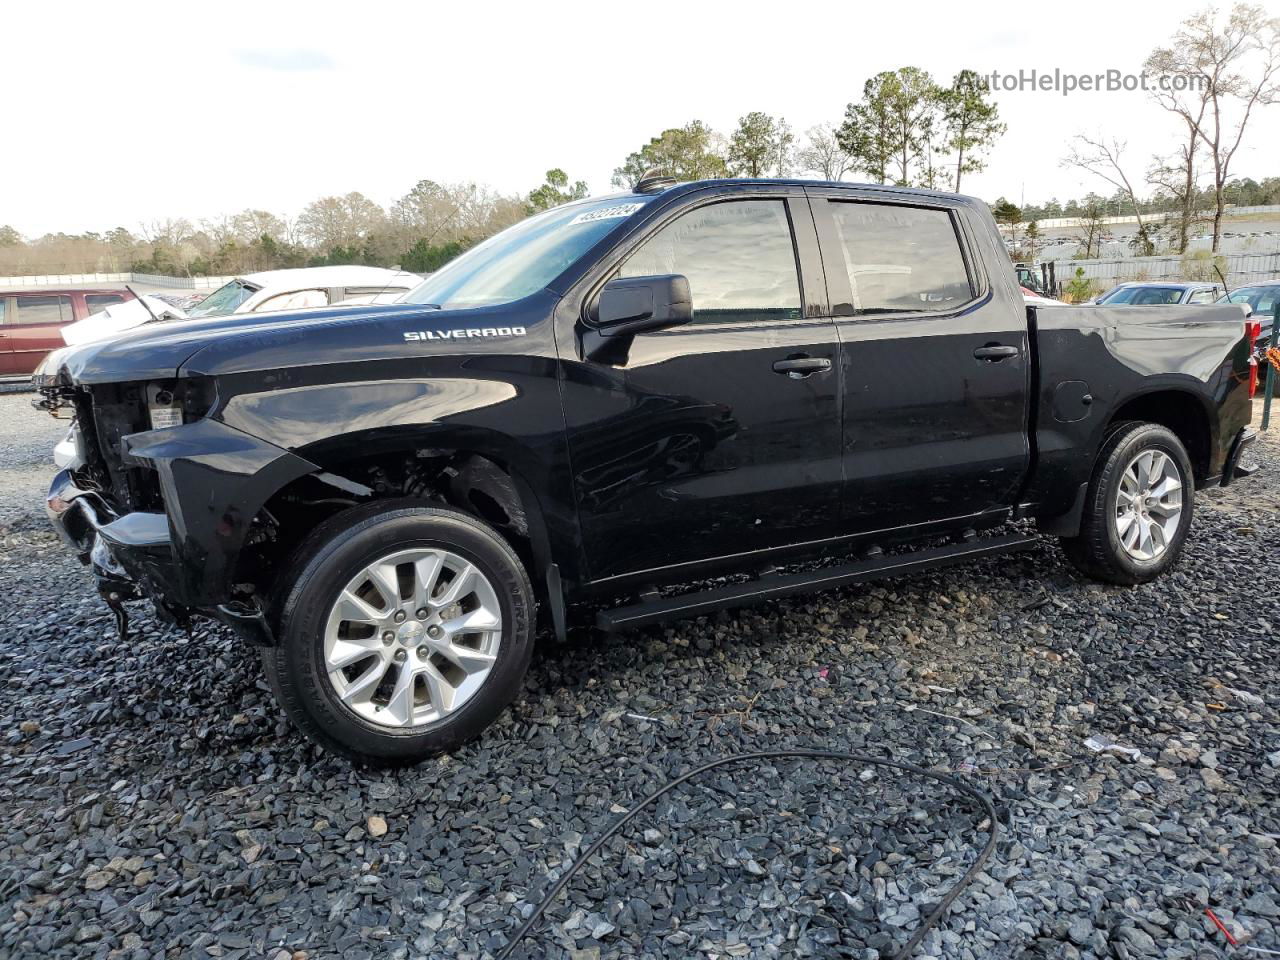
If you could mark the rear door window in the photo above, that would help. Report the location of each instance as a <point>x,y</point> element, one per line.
<point>43,309</point>
<point>901,259</point>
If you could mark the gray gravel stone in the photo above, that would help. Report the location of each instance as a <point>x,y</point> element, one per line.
<point>195,823</point>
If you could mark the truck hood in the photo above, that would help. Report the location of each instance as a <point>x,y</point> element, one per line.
<point>160,351</point>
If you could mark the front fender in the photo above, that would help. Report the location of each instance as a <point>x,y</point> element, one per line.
<point>214,479</point>
<point>504,407</point>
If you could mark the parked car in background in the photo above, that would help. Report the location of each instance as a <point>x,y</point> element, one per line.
<point>269,291</point>
<point>31,322</point>
<point>1261,299</point>
<point>1150,293</point>
<point>1030,296</point>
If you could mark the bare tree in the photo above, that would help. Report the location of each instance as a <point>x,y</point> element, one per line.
<point>250,225</point>
<point>823,155</point>
<point>461,212</point>
<point>1216,79</point>
<point>169,232</point>
<point>340,222</point>
<point>1101,156</point>
<point>784,146</point>
<point>218,230</point>
<point>1092,214</point>
<point>1175,178</point>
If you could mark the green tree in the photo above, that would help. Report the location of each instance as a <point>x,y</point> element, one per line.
<point>691,152</point>
<point>554,191</point>
<point>1031,236</point>
<point>892,130</point>
<point>9,237</point>
<point>1079,288</point>
<point>1010,214</point>
<point>760,143</point>
<point>424,257</point>
<point>971,122</point>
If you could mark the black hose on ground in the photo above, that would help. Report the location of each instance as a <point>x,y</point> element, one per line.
<point>929,922</point>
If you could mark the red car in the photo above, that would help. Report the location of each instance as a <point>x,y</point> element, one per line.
<point>31,322</point>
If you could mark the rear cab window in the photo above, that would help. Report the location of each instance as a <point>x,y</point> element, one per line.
<point>900,259</point>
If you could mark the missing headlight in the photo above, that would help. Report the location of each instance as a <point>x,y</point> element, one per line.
<point>163,407</point>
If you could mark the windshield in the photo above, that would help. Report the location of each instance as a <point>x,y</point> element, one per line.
<point>523,259</point>
<point>1143,296</point>
<point>223,300</point>
<point>1262,299</point>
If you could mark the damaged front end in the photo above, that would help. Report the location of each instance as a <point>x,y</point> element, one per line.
<point>126,553</point>
<point>157,499</point>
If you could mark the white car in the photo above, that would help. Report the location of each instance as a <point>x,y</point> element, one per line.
<point>1030,296</point>
<point>270,290</point>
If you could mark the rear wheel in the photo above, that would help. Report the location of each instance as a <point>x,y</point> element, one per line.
<point>1138,508</point>
<point>405,633</point>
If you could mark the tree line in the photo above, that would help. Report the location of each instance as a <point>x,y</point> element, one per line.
<point>906,129</point>
<point>421,231</point>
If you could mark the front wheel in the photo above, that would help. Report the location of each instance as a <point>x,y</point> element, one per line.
<point>406,632</point>
<point>1138,508</point>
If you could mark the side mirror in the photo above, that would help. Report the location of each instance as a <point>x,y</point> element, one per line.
<point>632,305</point>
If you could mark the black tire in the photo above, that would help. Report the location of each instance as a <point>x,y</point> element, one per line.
<point>335,552</point>
<point>1097,552</point>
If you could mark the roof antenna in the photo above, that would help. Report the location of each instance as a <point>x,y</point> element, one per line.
<point>654,180</point>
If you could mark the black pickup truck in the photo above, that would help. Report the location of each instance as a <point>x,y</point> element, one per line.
<point>652,405</point>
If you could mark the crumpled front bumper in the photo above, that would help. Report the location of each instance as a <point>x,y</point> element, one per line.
<point>213,480</point>
<point>127,553</point>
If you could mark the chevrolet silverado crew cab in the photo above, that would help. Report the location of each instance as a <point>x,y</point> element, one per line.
<point>647,406</point>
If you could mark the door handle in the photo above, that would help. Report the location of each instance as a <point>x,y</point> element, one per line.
<point>994,353</point>
<point>799,367</point>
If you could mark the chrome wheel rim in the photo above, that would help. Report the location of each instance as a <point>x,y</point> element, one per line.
<point>412,637</point>
<point>1148,505</point>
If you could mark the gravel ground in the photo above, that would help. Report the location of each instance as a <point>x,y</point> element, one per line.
<point>155,803</point>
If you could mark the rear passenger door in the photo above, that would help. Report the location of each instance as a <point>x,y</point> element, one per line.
<point>935,362</point>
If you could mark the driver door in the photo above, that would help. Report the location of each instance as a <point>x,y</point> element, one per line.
<point>720,438</point>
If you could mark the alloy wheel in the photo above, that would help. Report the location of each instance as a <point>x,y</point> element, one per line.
<point>1148,505</point>
<point>412,637</point>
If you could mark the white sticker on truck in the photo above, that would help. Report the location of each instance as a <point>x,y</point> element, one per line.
<point>607,213</point>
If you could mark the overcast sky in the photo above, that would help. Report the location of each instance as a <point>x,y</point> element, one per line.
<point>120,113</point>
